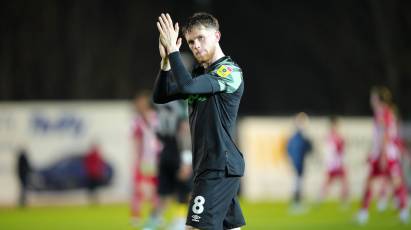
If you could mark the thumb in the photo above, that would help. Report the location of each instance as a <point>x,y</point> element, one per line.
<point>179,41</point>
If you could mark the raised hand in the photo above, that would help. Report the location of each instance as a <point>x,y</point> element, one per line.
<point>162,49</point>
<point>168,34</point>
<point>165,64</point>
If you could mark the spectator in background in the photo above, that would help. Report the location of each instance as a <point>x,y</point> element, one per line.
<point>94,165</point>
<point>147,148</point>
<point>23,173</point>
<point>334,150</point>
<point>298,147</point>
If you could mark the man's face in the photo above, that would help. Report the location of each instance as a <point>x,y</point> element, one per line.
<point>202,42</point>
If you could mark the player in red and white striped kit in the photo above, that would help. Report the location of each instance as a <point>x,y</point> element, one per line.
<point>334,150</point>
<point>146,148</point>
<point>386,154</point>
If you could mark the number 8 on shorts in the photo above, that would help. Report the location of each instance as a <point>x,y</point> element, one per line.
<point>198,206</point>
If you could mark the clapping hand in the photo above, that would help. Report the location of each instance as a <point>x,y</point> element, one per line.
<point>169,40</point>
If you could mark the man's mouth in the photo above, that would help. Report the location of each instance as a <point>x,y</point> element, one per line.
<point>200,53</point>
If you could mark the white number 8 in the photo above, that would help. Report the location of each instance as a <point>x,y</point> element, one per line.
<point>198,206</point>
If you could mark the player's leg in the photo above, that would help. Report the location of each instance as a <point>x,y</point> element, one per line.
<point>163,191</point>
<point>234,217</point>
<point>362,216</point>
<point>297,206</point>
<point>344,187</point>
<point>383,194</point>
<point>367,195</point>
<point>298,188</point>
<point>137,197</point>
<point>183,189</point>
<point>400,190</point>
<point>154,196</point>
<point>212,202</point>
<point>324,189</point>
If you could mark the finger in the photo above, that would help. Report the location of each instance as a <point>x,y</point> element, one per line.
<point>162,23</point>
<point>170,21</point>
<point>176,28</point>
<point>165,20</point>
<point>160,29</point>
<point>179,42</point>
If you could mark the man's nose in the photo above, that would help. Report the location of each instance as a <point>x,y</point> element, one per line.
<point>196,44</point>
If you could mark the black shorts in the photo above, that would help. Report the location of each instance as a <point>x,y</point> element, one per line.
<point>214,204</point>
<point>169,184</point>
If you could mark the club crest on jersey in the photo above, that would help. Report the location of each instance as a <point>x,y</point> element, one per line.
<point>224,71</point>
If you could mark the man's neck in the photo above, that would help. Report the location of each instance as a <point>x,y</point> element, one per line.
<point>217,55</point>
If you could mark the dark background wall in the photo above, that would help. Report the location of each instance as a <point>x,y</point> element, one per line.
<point>317,56</point>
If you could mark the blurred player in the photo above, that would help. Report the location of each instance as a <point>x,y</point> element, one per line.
<point>214,91</point>
<point>147,148</point>
<point>385,156</point>
<point>334,151</point>
<point>298,147</point>
<point>175,168</point>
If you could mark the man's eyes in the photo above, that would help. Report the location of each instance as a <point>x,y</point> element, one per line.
<point>200,38</point>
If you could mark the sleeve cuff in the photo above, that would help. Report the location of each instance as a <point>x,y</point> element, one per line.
<point>173,54</point>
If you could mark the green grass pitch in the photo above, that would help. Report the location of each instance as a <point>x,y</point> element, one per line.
<point>264,215</point>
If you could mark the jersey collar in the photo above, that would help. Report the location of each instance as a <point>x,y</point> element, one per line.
<point>200,69</point>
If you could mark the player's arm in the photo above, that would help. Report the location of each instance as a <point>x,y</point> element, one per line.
<point>165,90</point>
<point>225,78</point>
<point>186,84</point>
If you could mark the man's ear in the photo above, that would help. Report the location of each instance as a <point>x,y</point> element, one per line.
<point>218,35</point>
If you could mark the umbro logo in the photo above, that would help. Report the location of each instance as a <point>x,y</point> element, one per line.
<point>195,218</point>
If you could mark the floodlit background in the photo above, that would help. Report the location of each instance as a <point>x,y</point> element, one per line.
<point>69,69</point>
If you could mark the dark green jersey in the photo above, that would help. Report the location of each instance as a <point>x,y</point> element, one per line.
<point>214,96</point>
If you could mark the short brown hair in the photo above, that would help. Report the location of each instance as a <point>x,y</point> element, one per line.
<point>201,19</point>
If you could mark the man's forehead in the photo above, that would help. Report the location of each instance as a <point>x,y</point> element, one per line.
<point>197,30</point>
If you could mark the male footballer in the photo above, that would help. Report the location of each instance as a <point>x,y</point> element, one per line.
<point>213,91</point>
